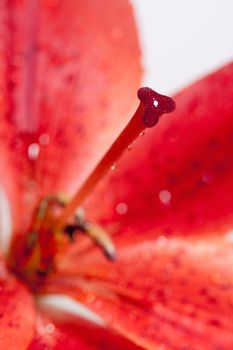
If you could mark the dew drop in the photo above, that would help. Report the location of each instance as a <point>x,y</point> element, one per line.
<point>113,167</point>
<point>142,133</point>
<point>155,103</point>
<point>129,147</point>
<point>165,196</point>
<point>50,328</point>
<point>44,139</point>
<point>33,150</point>
<point>121,208</point>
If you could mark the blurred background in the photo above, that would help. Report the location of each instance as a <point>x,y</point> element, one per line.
<point>182,40</point>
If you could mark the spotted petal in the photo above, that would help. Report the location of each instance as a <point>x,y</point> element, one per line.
<point>161,291</point>
<point>174,293</point>
<point>177,178</point>
<point>68,74</point>
<point>57,331</point>
<point>16,327</point>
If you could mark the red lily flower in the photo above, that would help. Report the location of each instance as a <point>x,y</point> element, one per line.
<point>167,207</point>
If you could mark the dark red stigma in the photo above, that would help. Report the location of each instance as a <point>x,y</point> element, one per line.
<point>155,105</point>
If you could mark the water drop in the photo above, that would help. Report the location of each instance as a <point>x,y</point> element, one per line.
<point>155,103</point>
<point>121,208</point>
<point>142,133</point>
<point>113,166</point>
<point>33,150</point>
<point>50,328</point>
<point>165,196</point>
<point>44,139</point>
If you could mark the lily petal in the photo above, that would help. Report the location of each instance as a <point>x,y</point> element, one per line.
<point>56,331</point>
<point>64,94</point>
<point>174,293</point>
<point>16,328</point>
<point>177,179</point>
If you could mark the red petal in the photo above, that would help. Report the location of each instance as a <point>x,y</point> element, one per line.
<point>17,313</point>
<point>64,331</point>
<point>178,177</point>
<point>68,72</point>
<point>174,293</point>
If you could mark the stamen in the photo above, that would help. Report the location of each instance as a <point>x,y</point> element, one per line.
<point>152,106</point>
<point>97,234</point>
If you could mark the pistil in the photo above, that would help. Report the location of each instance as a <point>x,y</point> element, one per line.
<point>152,105</point>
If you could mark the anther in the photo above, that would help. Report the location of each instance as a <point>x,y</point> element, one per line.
<point>96,233</point>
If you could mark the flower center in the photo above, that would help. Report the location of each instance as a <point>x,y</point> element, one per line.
<point>57,220</point>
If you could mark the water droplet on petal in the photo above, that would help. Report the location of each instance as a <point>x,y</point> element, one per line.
<point>50,328</point>
<point>33,150</point>
<point>165,196</point>
<point>44,139</point>
<point>113,167</point>
<point>121,208</point>
<point>142,133</point>
<point>129,147</point>
<point>155,103</point>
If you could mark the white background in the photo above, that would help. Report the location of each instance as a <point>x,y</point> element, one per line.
<point>183,39</point>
